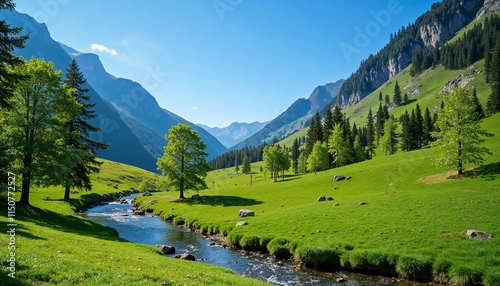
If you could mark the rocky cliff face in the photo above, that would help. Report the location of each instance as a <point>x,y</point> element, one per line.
<point>489,6</point>
<point>431,32</point>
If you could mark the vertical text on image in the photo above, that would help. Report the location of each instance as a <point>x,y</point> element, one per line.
<point>11,225</point>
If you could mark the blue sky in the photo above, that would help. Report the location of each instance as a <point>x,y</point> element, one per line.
<point>220,61</point>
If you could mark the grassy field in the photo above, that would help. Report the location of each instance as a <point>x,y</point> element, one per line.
<point>56,247</point>
<point>412,225</point>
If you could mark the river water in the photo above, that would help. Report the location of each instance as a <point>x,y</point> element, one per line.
<point>153,230</point>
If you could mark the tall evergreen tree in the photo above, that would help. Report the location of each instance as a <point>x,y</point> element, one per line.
<point>9,40</point>
<point>479,108</point>
<point>379,123</point>
<point>80,131</point>
<point>397,94</point>
<point>314,133</point>
<point>370,134</point>
<point>405,131</point>
<point>428,127</point>
<point>327,123</point>
<point>246,167</point>
<point>380,96</point>
<point>493,104</point>
<point>418,127</point>
<point>295,155</point>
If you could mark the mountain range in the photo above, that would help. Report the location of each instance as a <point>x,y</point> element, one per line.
<point>235,132</point>
<point>131,121</point>
<point>296,117</point>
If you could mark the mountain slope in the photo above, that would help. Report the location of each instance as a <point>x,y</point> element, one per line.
<point>431,30</point>
<point>235,132</point>
<point>129,117</point>
<point>114,131</point>
<point>135,101</point>
<point>295,117</point>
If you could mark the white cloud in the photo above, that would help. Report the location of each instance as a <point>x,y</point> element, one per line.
<point>102,48</point>
<point>195,107</point>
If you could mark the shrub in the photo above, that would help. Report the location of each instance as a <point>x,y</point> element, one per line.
<point>279,248</point>
<point>414,268</point>
<point>372,262</point>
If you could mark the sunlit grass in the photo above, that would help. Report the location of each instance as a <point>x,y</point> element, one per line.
<point>415,214</point>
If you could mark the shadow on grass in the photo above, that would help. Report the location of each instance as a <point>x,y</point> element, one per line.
<point>64,223</point>
<point>407,102</point>
<point>489,172</point>
<point>9,281</point>
<point>225,201</point>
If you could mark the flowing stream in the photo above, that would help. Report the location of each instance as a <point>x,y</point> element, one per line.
<point>152,230</point>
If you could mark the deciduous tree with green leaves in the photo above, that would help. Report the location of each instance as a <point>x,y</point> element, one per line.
<point>460,136</point>
<point>276,159</point>
<point>318,159</point>
<point>183,165</point>
<point>36,125</point>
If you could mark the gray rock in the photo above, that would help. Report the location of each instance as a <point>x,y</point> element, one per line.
<point>336,205</point>
<point>478,235</point>
<point>241,223</point>
<point>337,178</point>
<point>362,203</point>
<point>321,198</point>
<point>328,198</point>
<point>186,256</point>
<point>348,178</point>
<point>166,249</point>
<point>245,213</point>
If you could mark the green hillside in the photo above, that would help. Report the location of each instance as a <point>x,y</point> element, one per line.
<point>413,224</point>
<point>56,247</point>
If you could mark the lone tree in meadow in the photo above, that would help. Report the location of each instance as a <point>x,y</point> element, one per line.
<point>183,164</point>
<point>460,135</point>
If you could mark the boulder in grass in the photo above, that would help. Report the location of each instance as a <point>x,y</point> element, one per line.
<point>321,198</point>
<point>478,235</point>
<point>337,178</point>
<point>245,213</point>
<point>166,249</point>
<point>241,223</point>
<point>186,256</point>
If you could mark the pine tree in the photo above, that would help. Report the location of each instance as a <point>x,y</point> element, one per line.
<point>387,99</point>
<point>405,131</point>
<point>9,41</point>
<point>418,127</point>
<point>397,94</point>
<point>479,108</point>
<point>379,123</point>
<point>493,104</point>
<point>246,167</point>
<point>428,127</point>
<point>327,123</point>
<point>380,97</point>
<point>81,131</point>
<point>314,133</point>
<point>370,134</point>
<point>295,155</point>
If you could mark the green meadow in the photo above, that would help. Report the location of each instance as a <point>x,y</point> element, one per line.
<point>54,246</point>
<point>413,223</point>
